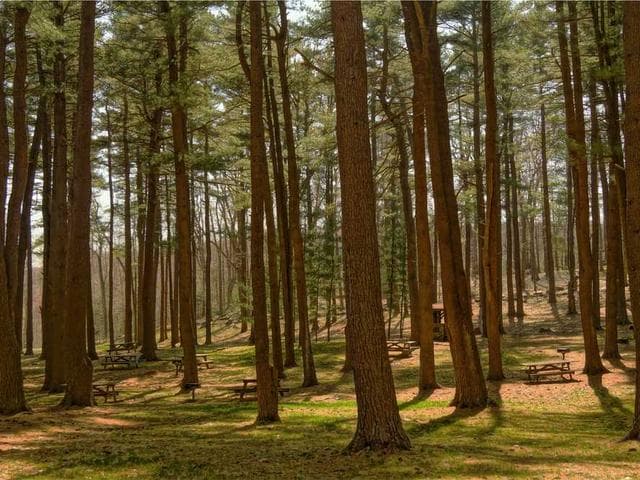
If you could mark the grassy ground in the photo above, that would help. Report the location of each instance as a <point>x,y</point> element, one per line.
<point>555,430</point>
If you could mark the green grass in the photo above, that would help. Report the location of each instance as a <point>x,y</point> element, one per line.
<point>542,431</point>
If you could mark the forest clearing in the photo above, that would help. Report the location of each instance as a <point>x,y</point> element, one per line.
<point>555,430</point>
<point>319,239</point>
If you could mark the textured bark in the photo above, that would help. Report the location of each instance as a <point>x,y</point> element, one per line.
<point>265,374</point>
<point>128,268</point>
<point>425,280</point>
<point>297,243</point>
<point>208,320</point>
<point>515,222</point>
<point>379,425</point>
<point>471,390</point>
<point>54,291</point>
<point>12,399</point>
<point>632,151</point>
<point>150,265</point>
<point>79,370</point>
<point>576,146</point>
<point>596,158</point>
<point>492,255</point>
<point>480,205</point>
<point>183,215</point>
<point>549,267</point>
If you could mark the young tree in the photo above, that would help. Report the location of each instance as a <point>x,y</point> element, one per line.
<point>379,425</point>
<point>79,370</point>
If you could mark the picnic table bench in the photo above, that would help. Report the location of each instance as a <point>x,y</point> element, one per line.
<point>106,390</point>
<point>537,371</point>
<point>250,385</point>
<point>122,347</point>
<point>201,361</point>
<point>405,347</point>
<point>128,359</point>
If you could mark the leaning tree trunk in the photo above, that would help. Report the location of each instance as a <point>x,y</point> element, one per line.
<point>379,425</point>
<point>78,365</point>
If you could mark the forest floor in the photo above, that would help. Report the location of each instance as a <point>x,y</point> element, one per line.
<point>553,430</point>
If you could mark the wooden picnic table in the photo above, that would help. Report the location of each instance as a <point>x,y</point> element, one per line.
<point>250,385</point>
<point>562,369</point>
<point>128,359</point>
<point>106,390</point>
<point>122,347</point>
<point>202,360</point>
<point>405,347</point>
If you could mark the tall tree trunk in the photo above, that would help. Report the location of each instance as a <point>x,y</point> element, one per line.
<point>480,206</point>
<point>79,369</point>
<point>546,212</point>
<point>492,255</point>
<point>54,282</point>
<point>427,377</point>
<point>12,399</point>
<point>266,375</point>
<point>308,365</point>
<point>471,390</point>
<point>179,126</point>
<point>576,144</point>
<point>207,248</point>
<point>596,158</point>
<point>379,425</point>
<point>632,151</point>
<point>515,221</point>
<point>150,265</point>
<point>128,269</point>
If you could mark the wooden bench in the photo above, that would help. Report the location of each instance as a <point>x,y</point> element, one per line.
<point>405,347</point>
<point>537,371</point>
<point>128,359</point>
<point>106,390</point>
<point>201,361</point>
<point>250,385</point>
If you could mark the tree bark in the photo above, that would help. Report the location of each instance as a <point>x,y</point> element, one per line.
<point>183,215</point>
<point>79,370</point>
<point>632,151</point>
<point>546,212</point>
<point>471,390</point>
<point>265,373</point>
<point>379,425</point>
<point>576,145</point>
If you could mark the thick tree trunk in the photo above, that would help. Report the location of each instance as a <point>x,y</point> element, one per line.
<point>576,146</point>
<point>632,151</point>
<point>54,282</point>
<point>427,377</point>
<point>150,265</point>
<point>183,216</point>
<point>471,390</point>
<point>79,369</point>
<point>379,425</point>
<point>596,158</point>
<point>266,375</point>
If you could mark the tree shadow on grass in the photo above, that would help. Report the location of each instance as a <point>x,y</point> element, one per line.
<point>614,408</point>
